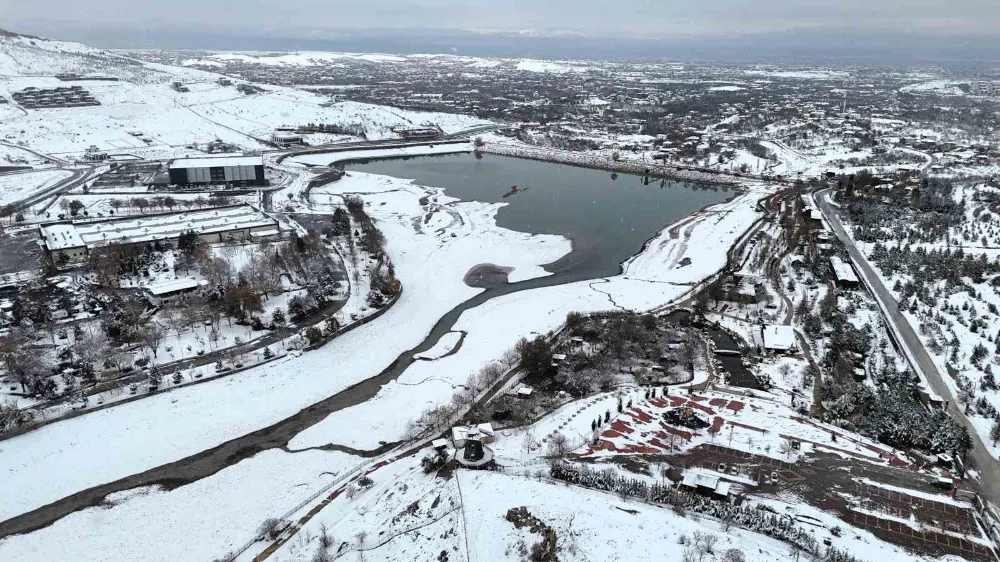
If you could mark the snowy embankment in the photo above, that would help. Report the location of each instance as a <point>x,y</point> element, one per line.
<point>17,186</point>
<point>203,520</point>
<point>331,158</point>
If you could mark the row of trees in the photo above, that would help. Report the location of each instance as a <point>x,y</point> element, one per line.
<point>753,519</point>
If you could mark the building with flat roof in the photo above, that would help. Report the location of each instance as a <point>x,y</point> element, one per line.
<point>238,222</point>
<point>219,170</point>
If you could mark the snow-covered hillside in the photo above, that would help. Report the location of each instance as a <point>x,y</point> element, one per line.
<point>142,115</point>
<point>25,55</point>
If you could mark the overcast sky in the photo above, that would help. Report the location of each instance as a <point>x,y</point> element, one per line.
<point>313,18</point>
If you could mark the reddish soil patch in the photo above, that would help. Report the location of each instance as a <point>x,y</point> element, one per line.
<point>696,398</point>
<point>678,432</point>
<point>735,405</point>
<point>705,409</point>
<point>717,402</point>
<point>640,450</point>
<point>640,416</point>
<point>676,401</point>
<point>611,434</point>
<point>621,427</point>
<point>717,424</point>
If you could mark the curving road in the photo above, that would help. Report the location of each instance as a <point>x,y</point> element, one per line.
<point>916,354</point>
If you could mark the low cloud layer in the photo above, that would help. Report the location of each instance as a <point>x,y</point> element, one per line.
<point>638,17</point>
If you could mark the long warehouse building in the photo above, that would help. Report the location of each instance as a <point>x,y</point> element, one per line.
<point>228,170</point>
<point>220,224</point>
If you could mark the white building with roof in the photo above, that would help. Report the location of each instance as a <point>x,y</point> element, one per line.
<point>170,289</point>
<point>238,222</point>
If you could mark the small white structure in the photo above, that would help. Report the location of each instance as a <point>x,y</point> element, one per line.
<point>705,483</point>
<point>168,290</point>
<point>285,139</point>
<point>482,433</point>
<point>779,338</point>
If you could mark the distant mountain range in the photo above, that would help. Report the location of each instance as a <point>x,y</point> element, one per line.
<point>870,46</point>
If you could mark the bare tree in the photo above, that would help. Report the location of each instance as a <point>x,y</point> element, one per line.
<point>152,336</point>
<point>91,347</point>
<point>261,276</point>
<point>733,555</point>
<point>218,272</point>
<point>786,448</point>
<point>558,444</point>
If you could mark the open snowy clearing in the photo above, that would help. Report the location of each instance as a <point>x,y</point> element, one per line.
<point>17,186</point>
<point>202,520</point>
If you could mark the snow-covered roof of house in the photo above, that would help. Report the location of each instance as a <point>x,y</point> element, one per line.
<point>61,236</point>
<point>439,443</point>
<point>168,286</point>
<point>217,161</point>
<point>779,337</point>
<point>843,271</point>
<point>155,227</point>
<point>463,432</point>
<point>697,480</point>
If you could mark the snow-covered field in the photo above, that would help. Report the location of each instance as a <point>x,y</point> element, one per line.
<point>408,515</point>
<point>198,521</point>
<point>17,186</point>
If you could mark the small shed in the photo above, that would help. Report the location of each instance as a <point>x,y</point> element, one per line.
<point>706,484</point>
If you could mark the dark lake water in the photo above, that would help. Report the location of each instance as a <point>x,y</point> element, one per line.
<point>607,219</point>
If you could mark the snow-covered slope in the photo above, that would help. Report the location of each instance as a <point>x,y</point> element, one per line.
<point>25,55</point>
<point>143,100</point>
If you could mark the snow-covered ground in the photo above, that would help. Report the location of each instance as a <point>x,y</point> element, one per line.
<point>408,515</point>
<point>17,186</point>
<point>173,122</point>
<point>198,521</point>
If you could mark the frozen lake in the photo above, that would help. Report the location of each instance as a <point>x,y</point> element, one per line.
<point>607,218</point>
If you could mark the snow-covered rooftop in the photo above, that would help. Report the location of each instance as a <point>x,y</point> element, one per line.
<point>61,236</point>
<point>154,227</point>
<point>172,285</point>
<point>842,271</point>
<point>779,337</point>
<point>213,162</point>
